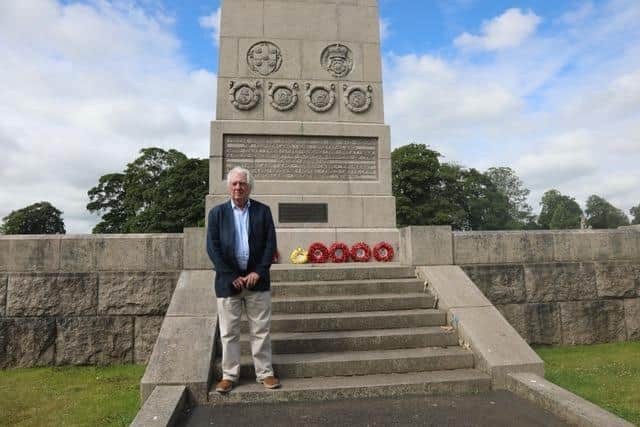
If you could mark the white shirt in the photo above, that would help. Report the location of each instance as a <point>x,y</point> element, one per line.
<point>241,222</point>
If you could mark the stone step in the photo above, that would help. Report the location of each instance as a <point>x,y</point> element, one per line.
<point>318,322</point>
<point>311,365</point>
<point>454,382</point>
<point>346,287</point>
<point>346,303</point>
<point>349,271</point>
<point>338,341</point>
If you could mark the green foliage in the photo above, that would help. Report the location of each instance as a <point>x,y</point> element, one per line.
<point>38,218</point>
<point>605,374</point>
<point>432,193</point>
<point>635,211</point>
<point>602,214</point>
<point>159,192</point>
<point>559,211</point>
<point>70,396</point>
<point>510,185</point>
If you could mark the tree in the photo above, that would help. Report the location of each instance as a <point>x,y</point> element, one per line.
<point>160,191</point>
<point>509,184</point>
<point>559,211</point>
<point>635,211</point>
<point>602,214</point>
<point>38,218</point>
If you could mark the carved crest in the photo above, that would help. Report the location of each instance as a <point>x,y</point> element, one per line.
<point>337,59</point>
<point>321,98</point>
<point>357,98</point>
<point>244,95</point>
<point>283,97</point>
<point>264,58</point>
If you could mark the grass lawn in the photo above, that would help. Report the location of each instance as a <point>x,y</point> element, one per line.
<point>70,396</point>
<point>605,374</point>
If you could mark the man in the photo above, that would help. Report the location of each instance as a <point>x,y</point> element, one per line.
<point>241,242</point>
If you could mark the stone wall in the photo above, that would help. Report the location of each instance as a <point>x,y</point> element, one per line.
<point>559,287</point>
<point>76,300</point>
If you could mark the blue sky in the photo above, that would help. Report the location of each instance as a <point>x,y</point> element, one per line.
<point>550,88</point>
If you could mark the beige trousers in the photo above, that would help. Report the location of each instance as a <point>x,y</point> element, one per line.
<point>257,306</point>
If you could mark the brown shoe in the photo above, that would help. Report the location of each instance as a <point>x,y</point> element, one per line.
<point>271,382</point>
<point>224,386</point>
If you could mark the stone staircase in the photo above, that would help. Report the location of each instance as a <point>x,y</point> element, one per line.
<point>356,331</point>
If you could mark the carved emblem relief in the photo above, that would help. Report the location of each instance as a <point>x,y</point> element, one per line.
<point>321,98</point>
<point>357,98</point>
<point>264,58</point>
<point>283,97</point>
<point>337,59</point>
<point>244,95</point>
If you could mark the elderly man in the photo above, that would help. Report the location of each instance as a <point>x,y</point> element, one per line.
<point>241,242</point>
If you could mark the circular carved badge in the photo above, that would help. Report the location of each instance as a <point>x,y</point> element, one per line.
<point>357,98</point>
<point>283,97</point>
<point>264,58</point>
<point>321,98</point>
<point>244,95</point>
<point>337,59</point>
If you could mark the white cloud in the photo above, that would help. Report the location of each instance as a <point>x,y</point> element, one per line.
<point>385,28</point>
<point>505,31</point>
<point>212,22</point>
<point>84,93</point>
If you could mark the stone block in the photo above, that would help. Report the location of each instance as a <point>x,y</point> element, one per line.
<point>430,245</point>
<point>195,249</point>
<point>132,293</point>
<point>379,211</point>
<point>596,245</point>
<point>589,322</point>
<point>291,67</point>
<point>164,408</point>
<point>124,252</point>
<point>41,253</point>
<point>166,250</point>
<point>27,343</point>
<point>94,340</point>
<point>560,282</point>
<point>228,57</point>
<point>311,60</point>
<point>3,293</point>
<point>453,287</point>
<point>372,63</point>
<point>502,284</point>
<point>52,294</point>
<point>536,323</point>
<point>194,295</point>
<point>617,279</point>
<point>358,24</point>
<point>632,318</point>
<point>625,244</point>
<point>5,253</point>
<point>78,254</point>
<point>304,20</point>
<point>242,18</point>
<point>146,333</point>
<point>502,247</point>
<point>225,109</point>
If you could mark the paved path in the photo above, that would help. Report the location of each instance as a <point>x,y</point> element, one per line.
<point>493,409</point>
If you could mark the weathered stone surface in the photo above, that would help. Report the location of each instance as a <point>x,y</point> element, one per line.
<point>3,293</point>
<point>502,284</point>
<point>426,245</point>
<point>632,318</point>
<point>52,294</point>
<point>588,322</point>
<point>616,279</point>
<point>560,282</point>
<point>77,253</point>
<point>135,293</point>
<point>146,333</point>
<point>27,342</point>
<point>167,252</point>
<point>5,252</point>
<point>536,323</point>
<point>41,253</point>
<point>94,340</point>
<point>502,247</point>
<point>124,252</point>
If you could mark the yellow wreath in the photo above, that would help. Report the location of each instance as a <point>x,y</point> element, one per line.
<point>299,256</point>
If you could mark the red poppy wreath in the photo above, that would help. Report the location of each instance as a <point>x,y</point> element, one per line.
<point>360,252</point>
<point>318,253</point>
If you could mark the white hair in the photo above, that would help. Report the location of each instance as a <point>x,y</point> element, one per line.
<point>245,172</point>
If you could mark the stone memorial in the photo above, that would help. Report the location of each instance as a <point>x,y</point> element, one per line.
<point>300,104</point>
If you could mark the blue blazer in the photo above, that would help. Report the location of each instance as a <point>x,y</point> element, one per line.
<point>221,246</point>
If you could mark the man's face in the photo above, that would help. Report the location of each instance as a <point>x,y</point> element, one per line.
<point>239,188</point>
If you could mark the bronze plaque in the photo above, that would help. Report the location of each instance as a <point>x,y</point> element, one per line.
<point>303,212</point>
<point>303,158</point>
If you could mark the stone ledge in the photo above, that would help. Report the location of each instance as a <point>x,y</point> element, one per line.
<point>164,407</point>
<point>560,402</point>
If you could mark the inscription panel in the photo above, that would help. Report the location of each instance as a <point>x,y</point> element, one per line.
<point>303,212</point>
<point>303,158</point>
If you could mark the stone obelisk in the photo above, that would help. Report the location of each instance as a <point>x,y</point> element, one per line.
<point>300,104</point>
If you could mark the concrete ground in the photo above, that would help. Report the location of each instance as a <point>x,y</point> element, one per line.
<point>497,408</point>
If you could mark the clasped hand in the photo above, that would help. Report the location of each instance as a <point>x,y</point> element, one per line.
<point>248,281</point>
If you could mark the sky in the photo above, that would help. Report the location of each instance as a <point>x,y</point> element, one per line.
<point>549,88</point>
